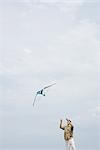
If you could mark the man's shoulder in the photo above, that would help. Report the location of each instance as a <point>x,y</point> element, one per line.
<point>71,124</point>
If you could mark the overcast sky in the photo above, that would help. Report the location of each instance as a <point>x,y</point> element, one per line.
<point>43,42</point>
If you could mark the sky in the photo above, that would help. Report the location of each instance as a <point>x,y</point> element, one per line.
<point>44,42</point>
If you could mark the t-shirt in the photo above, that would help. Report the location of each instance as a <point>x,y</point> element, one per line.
<point>68,132</point>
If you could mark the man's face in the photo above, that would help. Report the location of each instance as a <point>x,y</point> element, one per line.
<point>68,122</point>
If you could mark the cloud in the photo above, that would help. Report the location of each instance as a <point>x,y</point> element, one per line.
<point>28,51</point>
<point>95,112</point>
<point>73,52</point>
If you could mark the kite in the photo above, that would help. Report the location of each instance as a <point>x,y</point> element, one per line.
<point>41,92</point>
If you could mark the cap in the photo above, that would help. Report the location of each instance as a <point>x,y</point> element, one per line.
<point>68,119</point>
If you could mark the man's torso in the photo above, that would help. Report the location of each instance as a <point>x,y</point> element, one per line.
<point>68,132</point>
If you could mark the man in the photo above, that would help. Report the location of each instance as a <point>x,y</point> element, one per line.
<point>68,134</point>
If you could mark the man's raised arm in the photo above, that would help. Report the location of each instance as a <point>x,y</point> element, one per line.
<point>61,127</point>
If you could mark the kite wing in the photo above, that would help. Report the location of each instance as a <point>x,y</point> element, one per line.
<point>34,100</point>
<point>49,86</point>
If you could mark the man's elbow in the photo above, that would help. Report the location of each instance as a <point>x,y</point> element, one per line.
<point>62,128</point>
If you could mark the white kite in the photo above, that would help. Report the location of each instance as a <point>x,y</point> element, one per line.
<point>42,92</point>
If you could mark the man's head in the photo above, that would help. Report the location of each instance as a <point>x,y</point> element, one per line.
<point>68,121</point>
